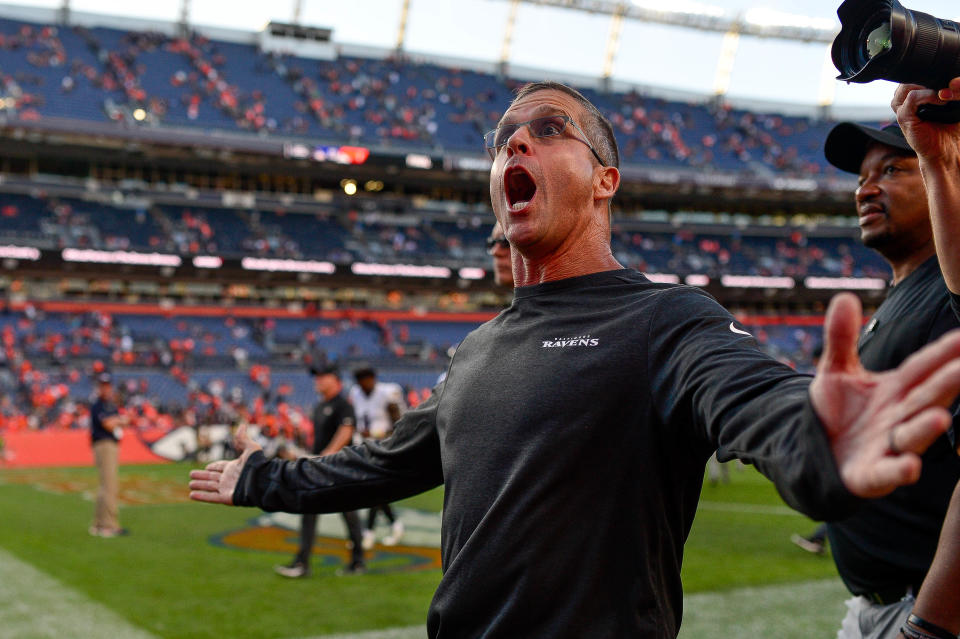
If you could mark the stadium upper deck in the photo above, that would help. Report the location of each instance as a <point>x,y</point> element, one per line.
<point>149,79</point>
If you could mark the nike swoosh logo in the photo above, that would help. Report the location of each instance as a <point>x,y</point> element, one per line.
<point>736,330</point>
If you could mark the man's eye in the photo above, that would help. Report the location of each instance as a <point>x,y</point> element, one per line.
<point>503,135</point>
<point>549,127</point>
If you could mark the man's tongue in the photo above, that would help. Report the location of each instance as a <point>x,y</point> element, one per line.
<point>520,189</point>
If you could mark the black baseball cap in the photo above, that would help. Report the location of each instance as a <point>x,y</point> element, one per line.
<point>325,370</point>
<point>847,144</point>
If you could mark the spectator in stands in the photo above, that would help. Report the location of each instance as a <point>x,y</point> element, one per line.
<point>883,551</point>
<point>333,428</point>
<point>106,431</point>
<point>499,248</point>
<point>378,406</point>
<point>597,397</point>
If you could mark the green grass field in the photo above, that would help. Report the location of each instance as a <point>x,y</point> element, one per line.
<point>176,577</point>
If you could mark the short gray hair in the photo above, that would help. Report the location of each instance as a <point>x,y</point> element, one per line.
<point>597,127</point>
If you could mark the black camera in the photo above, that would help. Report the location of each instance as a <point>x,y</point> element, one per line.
<point>883,40</point>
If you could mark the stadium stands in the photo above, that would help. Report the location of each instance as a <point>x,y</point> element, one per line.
<point>182,368</point>
<point>174,370</point>
<point>103,74</point>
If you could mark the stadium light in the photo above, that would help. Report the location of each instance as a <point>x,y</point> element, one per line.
<point>764,17</point>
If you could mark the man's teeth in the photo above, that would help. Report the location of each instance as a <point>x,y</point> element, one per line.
<point>518,206</point>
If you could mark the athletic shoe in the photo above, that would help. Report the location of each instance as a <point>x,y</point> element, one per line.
<point>293,571</point>
<point>357,568</point>
<point>814,546</point>
<point>107,533</point>
<point>396,533</point>
<point>369,538</point>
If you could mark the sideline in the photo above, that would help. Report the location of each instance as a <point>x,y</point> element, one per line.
<point>788,611</point>
<point>37,606</point>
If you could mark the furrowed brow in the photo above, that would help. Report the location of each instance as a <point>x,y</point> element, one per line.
<point>539,112</point>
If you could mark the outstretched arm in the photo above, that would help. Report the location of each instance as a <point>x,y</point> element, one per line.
<point>878,424</point>
<point>404,464</point>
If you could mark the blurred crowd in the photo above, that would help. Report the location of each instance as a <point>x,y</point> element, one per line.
<point>396,100</point>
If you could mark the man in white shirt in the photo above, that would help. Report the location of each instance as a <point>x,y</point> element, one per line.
<point>378,405</point>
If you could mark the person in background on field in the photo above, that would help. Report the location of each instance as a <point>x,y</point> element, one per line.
<point>333,428</point>
<point>816,542</point>
<point>499,249</point>
<point>106,430</point>
<point>378,406</point>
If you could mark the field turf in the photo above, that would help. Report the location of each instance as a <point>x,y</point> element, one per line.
<point>175,576</point>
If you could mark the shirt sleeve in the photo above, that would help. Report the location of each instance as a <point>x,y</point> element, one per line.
<point>404,464</point>
<point>709,376</point>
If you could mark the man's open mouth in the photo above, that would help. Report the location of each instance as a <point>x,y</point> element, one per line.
<point>519,187</point>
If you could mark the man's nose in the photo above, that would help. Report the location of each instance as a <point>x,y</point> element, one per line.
<point>519,142</point>
<point>867,190</point>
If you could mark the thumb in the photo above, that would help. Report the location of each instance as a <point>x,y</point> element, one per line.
<point>242,439</point>
<point>841,330</point>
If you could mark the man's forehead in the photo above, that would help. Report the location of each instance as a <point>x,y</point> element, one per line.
<point>880,152</point>
<point>539,103</point>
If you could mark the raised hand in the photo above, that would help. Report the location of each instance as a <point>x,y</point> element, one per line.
<point>216,483</point>
<point>878,424</point>
<point>933,141</point>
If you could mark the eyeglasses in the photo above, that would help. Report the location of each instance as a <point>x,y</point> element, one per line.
<point>494,242</point>
<point>545,127</point>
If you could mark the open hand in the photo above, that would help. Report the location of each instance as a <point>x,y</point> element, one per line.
<point>879,424</point>
<point>216,483</point>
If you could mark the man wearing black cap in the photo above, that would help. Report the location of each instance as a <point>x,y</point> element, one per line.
<point>884,550</point>
<point>333,426</point>
<point>106,429</point>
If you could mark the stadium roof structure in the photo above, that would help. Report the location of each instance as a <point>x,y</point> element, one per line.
<point>760,23</point>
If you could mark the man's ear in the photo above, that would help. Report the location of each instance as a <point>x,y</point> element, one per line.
<point>606,182</point>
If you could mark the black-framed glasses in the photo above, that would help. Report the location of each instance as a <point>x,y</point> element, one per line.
<point>494,242</point>
<point>546,127</point>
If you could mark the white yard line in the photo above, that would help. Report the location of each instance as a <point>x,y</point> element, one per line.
<point>34,605</point>
<point>407,632</point>
<point>789,611</point>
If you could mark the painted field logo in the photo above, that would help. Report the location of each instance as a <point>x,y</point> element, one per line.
<point>571,342</point>
<point>280,533</point>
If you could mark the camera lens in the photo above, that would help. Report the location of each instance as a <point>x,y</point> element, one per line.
<point>882,40</point>
<point>878,40</point>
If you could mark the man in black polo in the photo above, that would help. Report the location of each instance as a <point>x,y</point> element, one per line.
<point>333,426</point>
<point>884,550</point>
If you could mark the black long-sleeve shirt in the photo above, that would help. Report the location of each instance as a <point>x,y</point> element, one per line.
<point>571,434</point>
